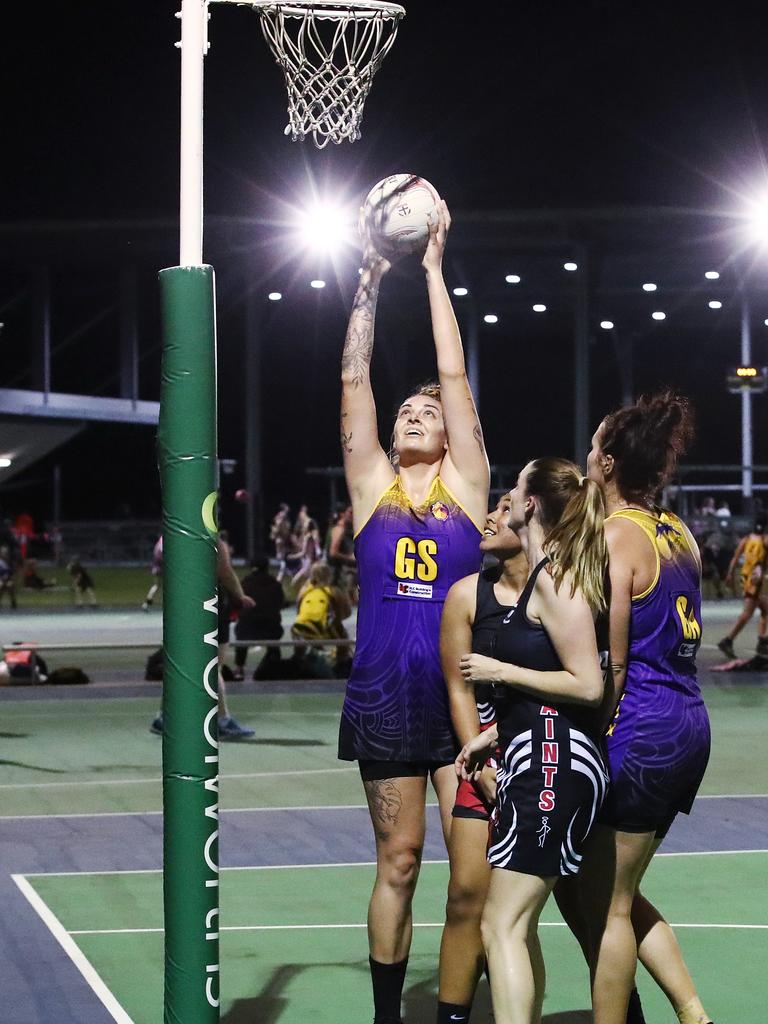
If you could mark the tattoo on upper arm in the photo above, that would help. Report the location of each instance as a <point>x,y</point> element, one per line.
<point>385,802</point>
<point>477,433</point>
<point>358,345</point>
<point>346,441</point>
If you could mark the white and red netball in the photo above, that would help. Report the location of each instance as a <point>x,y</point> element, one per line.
<point>397,212</point>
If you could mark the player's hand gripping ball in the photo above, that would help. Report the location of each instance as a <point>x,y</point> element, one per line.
<point>397,213</point>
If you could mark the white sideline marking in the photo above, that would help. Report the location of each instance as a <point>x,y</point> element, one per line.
<point>73,951</point>
<point>340,864</point>
<point>288,807</point>
<point>156,780</point>
<point>321,927</point>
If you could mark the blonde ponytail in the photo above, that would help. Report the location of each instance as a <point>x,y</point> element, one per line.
<point>573,513</point>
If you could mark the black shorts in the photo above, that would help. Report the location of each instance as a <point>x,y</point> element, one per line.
<point>551,782</point>
<point>375,771</point>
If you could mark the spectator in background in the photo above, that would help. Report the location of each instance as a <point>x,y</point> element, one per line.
<point>752,551</point>
<point>322,608</point>
<point>310,552</point>
<point>341,554</point>
<point>82,583</point>
<point>723,510</point>
<point>7,577</point>
<point>229,590</point>
<point>263,620</point>
<point>32,579</point>
<point>157,574</point>
<point>280,535</point>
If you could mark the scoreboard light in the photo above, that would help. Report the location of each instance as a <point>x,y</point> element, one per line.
<point>754,378</point>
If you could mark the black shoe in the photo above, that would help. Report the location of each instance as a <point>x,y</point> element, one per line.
<point>726,646</point>
<point>762,645</point>
<point>157,726</point>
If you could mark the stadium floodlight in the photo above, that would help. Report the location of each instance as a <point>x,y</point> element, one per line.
<point>658,315</point>
<point>757,221</point>
<point>570,266</point>
<point>649,286</point>
<point>317,283</point>
<point>324,227</point>
<point>5,462</point>
<point>275,296</point>
<point>765,322</point>
<point>491,318</point>
<point>712,275</point>
<point>715,304</point>
<point>512,279</point>
<point>460,291</point>
<point>539,307</point>
<point>607,325</point>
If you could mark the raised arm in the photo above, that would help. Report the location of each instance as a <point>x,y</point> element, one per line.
<point>366,465</point>
<point>465,468</point>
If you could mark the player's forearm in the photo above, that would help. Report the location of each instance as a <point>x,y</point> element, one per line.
<point>560,685</point>
<point>463,709</point>
<point>445,329</point>
<point>358,344</point>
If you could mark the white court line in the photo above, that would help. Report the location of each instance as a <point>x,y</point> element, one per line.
<point>322,927</point>
<point>73,951</point>
<point>288,807</point>
<point>340,864</point>
<point>156,780</point>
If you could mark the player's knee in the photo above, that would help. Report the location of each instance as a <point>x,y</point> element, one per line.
<point>400,867</point>
<point>465,901</point>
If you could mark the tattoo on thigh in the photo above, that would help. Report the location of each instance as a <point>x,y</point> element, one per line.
<point>385,801</point>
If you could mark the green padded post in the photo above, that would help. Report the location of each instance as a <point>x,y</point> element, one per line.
<point>187,457</point>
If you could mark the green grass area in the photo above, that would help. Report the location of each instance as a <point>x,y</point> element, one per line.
<point>293,944</point>
<point>115,586</point>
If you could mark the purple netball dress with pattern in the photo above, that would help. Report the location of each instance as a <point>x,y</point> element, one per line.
<point>658,742</point>
<point>396,704</point>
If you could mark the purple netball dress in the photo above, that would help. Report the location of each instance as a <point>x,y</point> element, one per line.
<point>658,743</point>
<point>396,704</point>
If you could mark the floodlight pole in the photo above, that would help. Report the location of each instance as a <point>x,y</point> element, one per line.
<point>746,406</point>
<point>581,413</point>
<point>188,463</point>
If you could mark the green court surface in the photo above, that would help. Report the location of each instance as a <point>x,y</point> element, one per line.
<point>99,757</point>
<point>293,943</point>
<point>293,938</point>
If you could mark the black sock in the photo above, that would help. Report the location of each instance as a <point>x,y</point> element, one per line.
<point>448,1012</point>
<point>635,1010</point>
<point>388,981</point>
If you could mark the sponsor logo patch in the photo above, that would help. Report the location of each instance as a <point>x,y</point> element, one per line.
<point>440,511</point>
<point>414,589</point>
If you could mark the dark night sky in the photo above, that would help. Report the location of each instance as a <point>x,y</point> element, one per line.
<point>540,105</point>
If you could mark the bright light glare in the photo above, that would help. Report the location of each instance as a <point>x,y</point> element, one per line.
<point>275,296</point>
<point>570,266</point>
<point>491,318</point>
<point>757,217</point>
<point>607,325</point>
<point>649,287</point>
<point>659,315</point>
<point>460,291</point>
<point>765,322</point>
<point>324,227</point>
<point>512,279</point>
<point>5,463</point>
<point>715,304</point>
<point>317,283</point>
<point>712,275</point>
<point>539,307</point>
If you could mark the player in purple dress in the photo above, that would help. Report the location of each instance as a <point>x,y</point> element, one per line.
<point>658,738</point>
<point>416,533</point>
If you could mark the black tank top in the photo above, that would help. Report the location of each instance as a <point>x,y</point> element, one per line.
<point>522,642</point>
<point>488,616</point>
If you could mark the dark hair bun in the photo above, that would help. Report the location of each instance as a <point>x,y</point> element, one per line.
<point>646,440</point>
